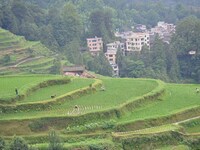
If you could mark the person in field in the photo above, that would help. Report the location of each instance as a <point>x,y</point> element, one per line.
<point>197,90</point>
<point>16,91</point>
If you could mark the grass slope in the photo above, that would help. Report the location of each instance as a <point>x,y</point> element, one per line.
<point>118,91</point>
<point>22,83</point>
<point>58,90</point>
<point>178,97</point>
<point>19,49</point>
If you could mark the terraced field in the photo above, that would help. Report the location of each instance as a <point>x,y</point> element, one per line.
<point>16,55</point>
<point>106,113</point>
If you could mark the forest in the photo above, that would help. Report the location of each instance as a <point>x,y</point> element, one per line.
<point>64,25</point>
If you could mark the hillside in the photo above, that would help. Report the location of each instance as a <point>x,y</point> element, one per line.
<point>124,115</point>
<point>17,55</point>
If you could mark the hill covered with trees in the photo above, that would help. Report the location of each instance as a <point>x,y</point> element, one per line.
<point>64,25</point>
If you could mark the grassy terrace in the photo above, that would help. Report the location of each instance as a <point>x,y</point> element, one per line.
<point>192,126</point>
<point>22,83</point>
<point>152,130</point>
<point>178,97</point>
<point>85,132</point>
<point>58,90</point>
<point>37,62</point>
<point>113,96</point>
<point>118,91</point>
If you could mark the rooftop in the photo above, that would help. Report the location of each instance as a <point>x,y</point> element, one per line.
<point>73,68</point>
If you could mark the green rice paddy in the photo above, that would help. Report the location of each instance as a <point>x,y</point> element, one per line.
<point>114,93</point>
<point>178,97</point>
<point>8,84</point>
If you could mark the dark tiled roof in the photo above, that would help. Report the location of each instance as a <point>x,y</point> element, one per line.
<point>73,68</point>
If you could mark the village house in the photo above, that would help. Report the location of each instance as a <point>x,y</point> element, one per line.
<point>95,45</point>
<point>140,28</point>
<point>115,45</point>
<point>134,41</point>
<point>163,30</point>
<point>111,56</point>
<point>77,70</point>
<point>111,53</point>
<point>73,70</point>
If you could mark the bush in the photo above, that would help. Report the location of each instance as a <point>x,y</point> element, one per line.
<point>2,144</point>
<point>18,143</point>
<point>54,141</point>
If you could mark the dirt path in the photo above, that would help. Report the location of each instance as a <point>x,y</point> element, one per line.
<point>176,123</point>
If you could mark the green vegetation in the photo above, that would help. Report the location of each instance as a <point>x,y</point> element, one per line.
<point>178,147</point>
<point>153,130</point>
<point>192,126</point>
<point>18,55</point>
<point>21,83</point>
<point>100,113</point>
<point>64,26</point>
<point>58,90</point>
<point>117,91</point>
<point>178,97</point>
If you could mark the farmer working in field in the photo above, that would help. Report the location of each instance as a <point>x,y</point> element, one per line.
<point>16,91</point>
<point>197,90</point>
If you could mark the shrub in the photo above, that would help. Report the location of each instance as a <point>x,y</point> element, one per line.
<point>18,143</point>
<point>2,143</point>
<point>54,141</point>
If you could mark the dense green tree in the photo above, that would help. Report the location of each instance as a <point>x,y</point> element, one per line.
<point>101,24</point>
<point>100,65</point>
<point>158,59</point>
<point>72,51</point>
<point>19,10</point>
<point>135,69</point>
<point>56,68</point>
<point>72,22</point>
<point>173,70</point>
<point>187,39</point>
<point>121,62</point>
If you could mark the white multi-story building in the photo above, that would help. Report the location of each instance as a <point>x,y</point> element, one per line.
<point>111,53</point>
<point>115,46</point>
<point>134,41</point>
<point>95,45</point>
<point>111,56</point>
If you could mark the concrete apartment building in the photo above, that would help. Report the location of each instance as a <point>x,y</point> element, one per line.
<point>111,52</point>
<point>95,45</point>
<point>115,46</point>
<point>134,41</point>
<point>111,56</point>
